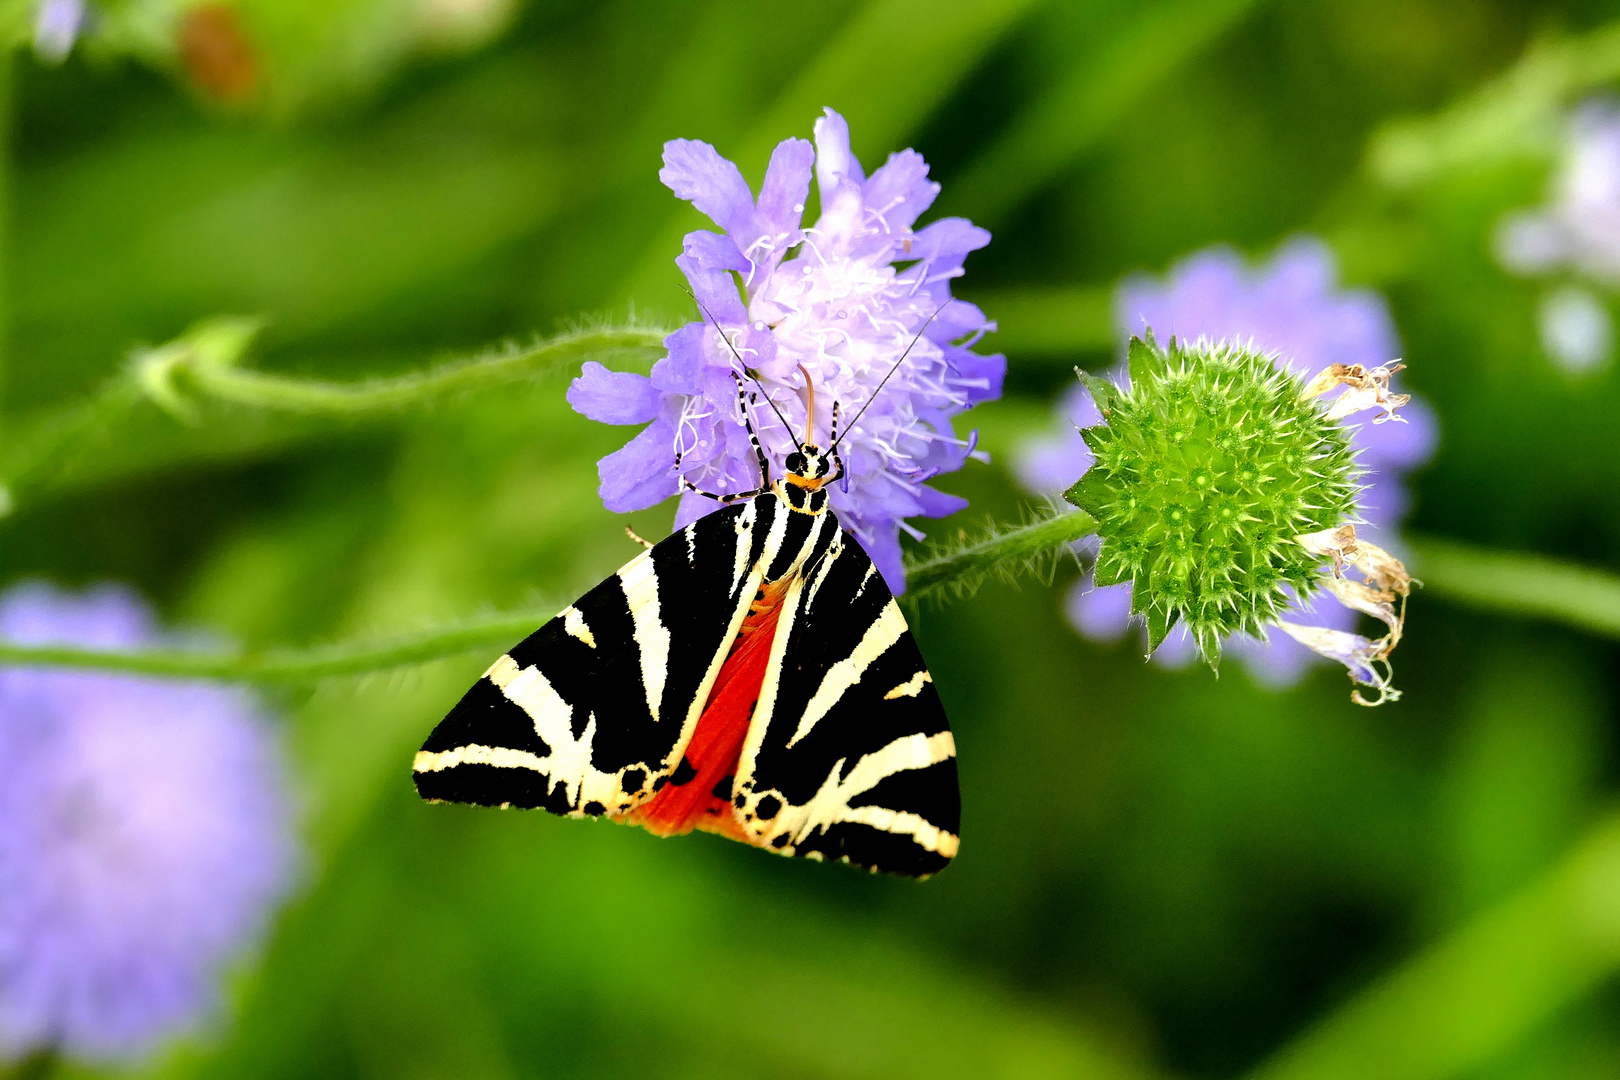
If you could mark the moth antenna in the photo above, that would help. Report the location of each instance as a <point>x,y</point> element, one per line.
<point>810,411</point>
<point>857,418</point>
<point>745,368</point>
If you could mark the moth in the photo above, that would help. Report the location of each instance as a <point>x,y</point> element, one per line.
<point>751,675</point>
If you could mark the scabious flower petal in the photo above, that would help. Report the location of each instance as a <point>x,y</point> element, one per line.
<point>899,192</point>
<point>835,163</point>
<point>1294,307</point>
<point>696,172</point>
<point>145,836</point>
<point>858,291</point>
<point>712,286</point>
<point>640,474</point>
<point>613,397</point>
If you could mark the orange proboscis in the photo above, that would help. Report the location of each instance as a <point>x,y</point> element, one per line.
<point>716,745</point>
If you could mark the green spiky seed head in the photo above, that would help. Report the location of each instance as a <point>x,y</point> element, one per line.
<point>1205,471</point>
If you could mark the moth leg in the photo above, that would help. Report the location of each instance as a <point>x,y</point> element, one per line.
<point>759,455</point>
<point>724,500</point>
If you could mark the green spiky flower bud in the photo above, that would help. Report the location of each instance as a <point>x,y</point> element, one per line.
<point>1208,469</point>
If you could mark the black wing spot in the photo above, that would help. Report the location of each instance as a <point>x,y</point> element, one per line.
<point>768,808</point>
<point>658,784</point>
<point>740,800</point>
<point>781,841</point>
<point>594,809</point>
<point>632,780</point>
<point>722,790</point>
<point>684,772</point>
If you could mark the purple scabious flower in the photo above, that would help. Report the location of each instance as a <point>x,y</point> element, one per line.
<point>835,303</point>
<point>1577,234</point>
<point>1292,307</point>
<point>146,831</point>
<point>57,25</point>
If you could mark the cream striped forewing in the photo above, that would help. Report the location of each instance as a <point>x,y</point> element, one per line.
<point>591,713</point>
<point>849,755</point>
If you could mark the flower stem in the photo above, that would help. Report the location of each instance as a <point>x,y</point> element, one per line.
<point>958,570</point>
<point>296,665</point>
<point>1516,584</point>
<point>7,95</point>
<point>962,568</point>
<point>227,382</point>
<point>199,370</point>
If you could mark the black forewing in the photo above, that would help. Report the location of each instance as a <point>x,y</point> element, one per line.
<point>854,759</point>
<point>565,721</point>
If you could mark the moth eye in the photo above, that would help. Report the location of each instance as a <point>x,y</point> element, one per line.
<point>795,463</point>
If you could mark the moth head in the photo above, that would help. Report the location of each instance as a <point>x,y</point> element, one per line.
<point>808,467</point>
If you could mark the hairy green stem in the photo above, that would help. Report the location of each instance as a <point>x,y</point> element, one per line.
<point>255,388</point>
<point>1527,585</point>
<point>7,93</point>
<point>1471,997</point>
<point>961,568</point>
<point>196,378</point>
<point>1517,584</point>
<point>296,665</point>
<point>958,569</point>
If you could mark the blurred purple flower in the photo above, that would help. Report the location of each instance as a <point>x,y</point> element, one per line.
<point>1578,233</point>
<point>1291,306</point>
<point>145,834</point>
<point>859,286</point>
<point>56,27</point>
<point>1580,229</point>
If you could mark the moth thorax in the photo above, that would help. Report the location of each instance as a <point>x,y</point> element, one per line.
<point>806,500</point>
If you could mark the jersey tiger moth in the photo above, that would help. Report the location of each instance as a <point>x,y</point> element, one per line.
<point>751,675</point>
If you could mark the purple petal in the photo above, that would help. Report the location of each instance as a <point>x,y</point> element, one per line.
<point>757,345</point>
<point>613,397</point>
<point>642,473</point>
<point>834,161</point>
<point>884,549</point>
<point>1177,650</point>
<point>692,507</point>
<point>1050,465</point>
<point>1100,614</point>
<point>900,190</point>
<point>786,188</point>
<point>715,290</point>
<point>715,252</point>
<point>682,370</point>
<point>937,504</point>
<point>695,171</point>
<point>948,241</point>
<point>1393,445</point>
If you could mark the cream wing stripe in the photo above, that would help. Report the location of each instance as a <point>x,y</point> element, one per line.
<point>910,688</point>
<point>574,623</point>
<point>885,630</point>
<point>830,804</point>
<point>569,762</point>
<point>640,582</point>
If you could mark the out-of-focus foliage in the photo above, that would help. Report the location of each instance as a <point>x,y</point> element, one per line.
<point>1162,873</point>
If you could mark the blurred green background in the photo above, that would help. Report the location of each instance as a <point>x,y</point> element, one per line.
<point>1163,874</point>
